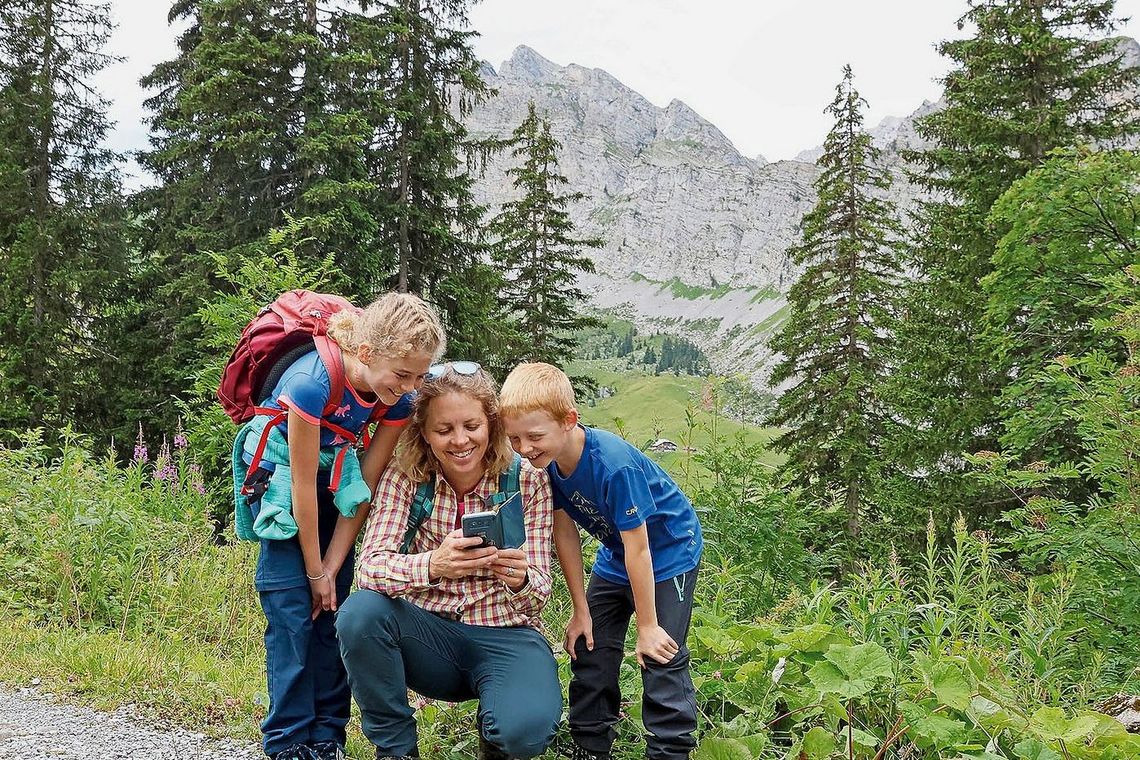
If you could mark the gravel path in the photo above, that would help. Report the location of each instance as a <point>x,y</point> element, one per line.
<point>33,725</point>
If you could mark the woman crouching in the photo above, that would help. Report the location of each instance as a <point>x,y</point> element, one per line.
<point>436,613</point>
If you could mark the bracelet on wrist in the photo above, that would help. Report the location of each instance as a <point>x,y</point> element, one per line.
<point>315,577</point>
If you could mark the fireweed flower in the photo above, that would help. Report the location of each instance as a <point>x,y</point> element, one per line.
<point>180,439</point>
<point>141,454</point>
<point>164,468</point>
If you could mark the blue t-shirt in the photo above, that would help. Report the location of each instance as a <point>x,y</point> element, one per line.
<point>615,487</point>
<point>305,387</point>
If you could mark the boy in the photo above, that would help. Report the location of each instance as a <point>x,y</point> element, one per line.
<point>646,565</point>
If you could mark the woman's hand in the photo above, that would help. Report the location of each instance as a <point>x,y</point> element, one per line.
<point>324,594</point>
<point>510,567</point>
<point>459,557</point>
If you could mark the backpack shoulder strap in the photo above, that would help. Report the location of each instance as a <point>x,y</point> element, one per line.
<point>422,504</point>
<point>509,480</point>
<point>330,355</point>
<point>509,483</point>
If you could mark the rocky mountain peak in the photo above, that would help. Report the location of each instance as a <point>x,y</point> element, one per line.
<point>526,64</point>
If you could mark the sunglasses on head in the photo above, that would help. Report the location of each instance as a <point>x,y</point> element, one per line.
<point>466,368</point>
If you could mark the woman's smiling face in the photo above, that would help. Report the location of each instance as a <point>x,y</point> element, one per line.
<point>457,430</point>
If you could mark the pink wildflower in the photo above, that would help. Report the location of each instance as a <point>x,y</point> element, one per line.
<point>141,454</point>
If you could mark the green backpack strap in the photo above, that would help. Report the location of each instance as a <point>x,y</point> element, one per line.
<point>508,483</point>
<point>422,505</point>
<point>424,500</point>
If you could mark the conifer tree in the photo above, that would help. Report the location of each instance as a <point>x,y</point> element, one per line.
<point>61,213</point>
<point>1036,75</point>
<point>835,339</point>
<point>537,248</point>
<point>228,112</point>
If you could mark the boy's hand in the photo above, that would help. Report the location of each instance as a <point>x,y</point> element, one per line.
<point>510,567</point>
<point>581,624</point>
<point>459,557</point>
<point>654,642</point>
<point>324,594</point>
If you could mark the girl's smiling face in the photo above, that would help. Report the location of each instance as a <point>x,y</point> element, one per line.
<point>457,430</point>
<point>390,378</point>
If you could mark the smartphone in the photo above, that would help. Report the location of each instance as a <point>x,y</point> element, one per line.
<point>484,525</point>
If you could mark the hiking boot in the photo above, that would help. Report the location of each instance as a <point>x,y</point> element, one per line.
<point>328,750</point>
<point>295,752</point>
<point>581,753</point>
<point>488,751</point>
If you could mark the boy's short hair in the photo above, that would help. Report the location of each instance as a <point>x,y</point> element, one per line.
<point>536,386</point>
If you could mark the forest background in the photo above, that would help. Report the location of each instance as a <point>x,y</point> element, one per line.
<point>937,554</point>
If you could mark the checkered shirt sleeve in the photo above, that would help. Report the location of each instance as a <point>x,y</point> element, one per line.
<point>479,599</point>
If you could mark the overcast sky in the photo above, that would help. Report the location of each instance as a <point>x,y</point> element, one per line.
<point>760,70</point>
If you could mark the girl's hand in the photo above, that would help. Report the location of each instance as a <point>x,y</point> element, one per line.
<point>510,567</point>
<point>654,642</point>
<point>324,594</point>
<point>580,625</point>
<point>458,557</point>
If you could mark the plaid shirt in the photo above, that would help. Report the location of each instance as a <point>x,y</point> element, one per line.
<point>479,599</point>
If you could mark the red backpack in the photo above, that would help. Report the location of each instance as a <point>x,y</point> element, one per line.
<point>280,334</point>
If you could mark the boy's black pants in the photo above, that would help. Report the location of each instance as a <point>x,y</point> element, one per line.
<point>669,706</point>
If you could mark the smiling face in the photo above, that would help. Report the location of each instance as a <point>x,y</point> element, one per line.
<point>390,377</point>
<point>457,430</point>
<point>538,436</point>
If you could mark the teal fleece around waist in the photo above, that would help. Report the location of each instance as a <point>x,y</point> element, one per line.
<point>274,518</point>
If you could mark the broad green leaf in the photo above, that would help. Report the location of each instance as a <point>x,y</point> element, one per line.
<point>756,743</point>
<point>753,669</point>
<point>810,638</point>
<point>829,680</point>
<point>717,748</point>
<point>864,661</point>
<point>1050,723</point>
<point>931,729</point>
<point>818,743</point>
<point>718,642</point>
<point>861,739</point>
<point>1032,749</point>
<point>949,686</point>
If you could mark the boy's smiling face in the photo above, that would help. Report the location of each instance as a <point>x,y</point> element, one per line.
<point>538,436</point>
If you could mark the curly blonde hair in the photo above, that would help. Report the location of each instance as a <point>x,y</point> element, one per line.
<point>394,325</point>
<point>414,456</point>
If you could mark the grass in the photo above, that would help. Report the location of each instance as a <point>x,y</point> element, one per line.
<point>773,321</point>
<point>653,406</point>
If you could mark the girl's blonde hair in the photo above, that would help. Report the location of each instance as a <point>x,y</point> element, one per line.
<point>414,456</point>
<point>394,325</point>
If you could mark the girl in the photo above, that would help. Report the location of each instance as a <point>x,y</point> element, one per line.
<point>386,350</point>
<point>436,614</point>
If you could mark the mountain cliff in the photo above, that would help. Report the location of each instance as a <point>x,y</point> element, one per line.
<point>695,232</point>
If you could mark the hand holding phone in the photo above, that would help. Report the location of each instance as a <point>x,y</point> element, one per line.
<point>484,525</point>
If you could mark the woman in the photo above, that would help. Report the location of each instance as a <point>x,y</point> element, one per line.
<point>448,619</point>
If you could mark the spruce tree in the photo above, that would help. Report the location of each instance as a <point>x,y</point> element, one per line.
<point>1036,75</point>
<point>227,115</point>
<point>835,341</point>
<point>538,250</point>
<point>61,215</point>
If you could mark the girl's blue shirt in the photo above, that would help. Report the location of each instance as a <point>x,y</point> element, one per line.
<point>305,388</point>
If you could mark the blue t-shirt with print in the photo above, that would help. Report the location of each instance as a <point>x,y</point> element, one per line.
<point>305,387</point>
<point>616,487</point>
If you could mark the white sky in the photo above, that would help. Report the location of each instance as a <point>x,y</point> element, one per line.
<point>760,70</point>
